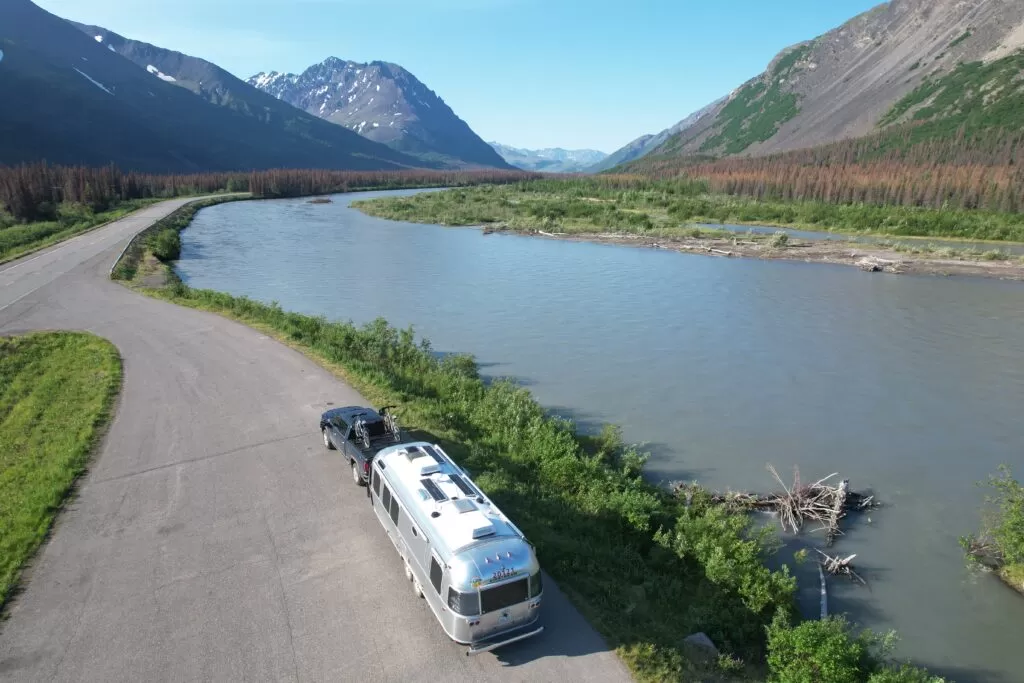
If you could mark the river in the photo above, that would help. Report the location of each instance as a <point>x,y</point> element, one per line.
<point>910,386</point>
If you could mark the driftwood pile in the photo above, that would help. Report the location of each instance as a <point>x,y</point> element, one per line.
<point>798,503</point>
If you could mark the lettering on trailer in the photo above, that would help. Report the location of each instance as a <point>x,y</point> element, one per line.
<point>499,575</point>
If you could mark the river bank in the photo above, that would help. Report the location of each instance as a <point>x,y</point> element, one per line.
<point>644,566</point>
<point>897,259</point>
<point>680,214</point>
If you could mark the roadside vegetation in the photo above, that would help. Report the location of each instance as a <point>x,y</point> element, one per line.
<point>645,567</point>
<point>56,394</point>
<point>668,208</point>
<point>64,221</point>
<point>1000,543</point>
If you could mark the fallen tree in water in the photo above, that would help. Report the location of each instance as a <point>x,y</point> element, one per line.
<point>796,504</point>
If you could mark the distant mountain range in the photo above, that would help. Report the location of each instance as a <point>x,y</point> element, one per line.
<point>947,63</point>
<point>552,160</point>
<point>648,143</point>
<point>385,103</point>
<point>70,97</point>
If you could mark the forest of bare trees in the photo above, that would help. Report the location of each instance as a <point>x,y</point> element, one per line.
<point>34,192</point>
<point>980,171</point>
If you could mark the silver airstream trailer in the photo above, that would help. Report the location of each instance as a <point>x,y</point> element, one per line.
<point>474,568</point>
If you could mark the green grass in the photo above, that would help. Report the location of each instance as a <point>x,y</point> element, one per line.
<point>644,569</point>
<point>1013,574</point>
<point>19,239</point>
<point>669,208</point>
<point>56,393</point>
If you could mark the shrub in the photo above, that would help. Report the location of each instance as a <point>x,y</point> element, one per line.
<point>816,652</point>
<point>165,245</point>
<point>779,239</point>
<point>828,651</point>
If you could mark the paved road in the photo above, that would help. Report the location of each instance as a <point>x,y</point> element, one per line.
<point>215,538</point>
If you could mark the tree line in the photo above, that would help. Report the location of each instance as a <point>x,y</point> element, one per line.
<point>34,192</point>
<point>896,168</point>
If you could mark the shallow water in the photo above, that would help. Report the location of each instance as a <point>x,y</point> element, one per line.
<point>909,386</point>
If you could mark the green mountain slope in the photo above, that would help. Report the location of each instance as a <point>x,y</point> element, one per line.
<point>930,59</point>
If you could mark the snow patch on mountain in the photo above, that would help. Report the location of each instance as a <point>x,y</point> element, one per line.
<point>159,74</point>
<point>99,39</point>
<point>94,82</point>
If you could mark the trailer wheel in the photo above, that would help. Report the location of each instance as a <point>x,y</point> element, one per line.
<point>327,440</point>
<point>416,589</point>
<point>408,571</point>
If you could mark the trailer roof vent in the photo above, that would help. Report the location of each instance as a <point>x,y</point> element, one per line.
<point>429,469</point>
<point>464,505</point>
<point>482,530</point>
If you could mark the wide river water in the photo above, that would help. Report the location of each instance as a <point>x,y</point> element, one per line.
<point>912,387</point>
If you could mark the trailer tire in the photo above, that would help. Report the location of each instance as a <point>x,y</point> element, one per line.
<point>327,439</point>
<point>416,589</point>
<point>408,571</point>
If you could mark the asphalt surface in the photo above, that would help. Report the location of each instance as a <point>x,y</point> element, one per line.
<point>214,537</point>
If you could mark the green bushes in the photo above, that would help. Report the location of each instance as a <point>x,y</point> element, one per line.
<point>162,238</point>
<point>828,651</point>
<point>645,569</point>
<point>165,245</point>
<point>1000,544</point>
<point>614,204</point>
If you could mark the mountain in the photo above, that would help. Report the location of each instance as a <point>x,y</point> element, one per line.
<point>551,160</point>
<point>302,139</point>
<point>70,99</point>
<point>851,81</point>
<point>386,104</point>
<point>647,143</point>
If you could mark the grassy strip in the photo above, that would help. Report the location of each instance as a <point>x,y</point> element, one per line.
<point>56,394</point>
<point>667,208</point>
<point>17,240</point>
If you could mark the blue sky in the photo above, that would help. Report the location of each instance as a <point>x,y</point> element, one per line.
<point>530,73</point>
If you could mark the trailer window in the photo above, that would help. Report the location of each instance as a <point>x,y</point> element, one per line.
<point>435,574</point>
<point>376,482</point>
<point>467,604</point>
<point>535,584</point>
<point>386,498</point>
<point>393,510</point>
<point>508,594</point>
